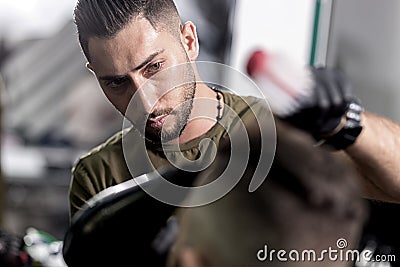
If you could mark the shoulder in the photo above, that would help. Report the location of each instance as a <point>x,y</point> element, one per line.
<point>100,168</point>
<point>246,107</point>
<point>108,153</point>
<point>113,144</point>
<point>241,103</point>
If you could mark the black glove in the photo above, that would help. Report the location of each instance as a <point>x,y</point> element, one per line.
<point>331,113</point>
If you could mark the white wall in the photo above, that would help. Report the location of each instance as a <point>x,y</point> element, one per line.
<point>364,43</point>
<point>283,26</point>
<point>278,26</point>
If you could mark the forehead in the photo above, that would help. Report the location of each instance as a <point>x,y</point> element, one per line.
<point>128,48</point>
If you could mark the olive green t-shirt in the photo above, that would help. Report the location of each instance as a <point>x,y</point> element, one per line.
<point>106,166</point>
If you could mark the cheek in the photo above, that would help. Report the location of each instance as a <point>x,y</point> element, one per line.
<point>174,96</point>
<point>119,101</point>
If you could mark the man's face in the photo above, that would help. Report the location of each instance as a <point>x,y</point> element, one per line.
<point>130,64</point>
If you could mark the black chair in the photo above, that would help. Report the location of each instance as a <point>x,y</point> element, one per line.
<point>123,226</point>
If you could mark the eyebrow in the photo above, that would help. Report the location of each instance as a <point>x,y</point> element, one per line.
<point>144,63</point>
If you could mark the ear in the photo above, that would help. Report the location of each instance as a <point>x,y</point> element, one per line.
<point>189,40</point>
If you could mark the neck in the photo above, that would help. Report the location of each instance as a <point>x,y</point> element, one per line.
<point>203,115</point>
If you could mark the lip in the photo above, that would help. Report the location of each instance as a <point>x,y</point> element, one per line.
<point>156,122</point>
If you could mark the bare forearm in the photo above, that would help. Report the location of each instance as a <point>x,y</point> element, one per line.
<point>376,155</point>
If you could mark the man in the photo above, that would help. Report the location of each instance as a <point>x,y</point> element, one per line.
<point>127,45</point>
<point>132,48</point>
<point>127,42</point>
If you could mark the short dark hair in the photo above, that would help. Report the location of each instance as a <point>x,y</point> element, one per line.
<point>309,199</point>
<point>105,18</point>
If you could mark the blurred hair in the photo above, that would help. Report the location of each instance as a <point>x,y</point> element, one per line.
<point>309,200</point>
<point>105,18</point>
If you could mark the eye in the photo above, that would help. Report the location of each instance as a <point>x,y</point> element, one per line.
<point>153,68</point>
<point>118,82</point>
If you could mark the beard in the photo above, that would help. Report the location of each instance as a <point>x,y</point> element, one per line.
<point>178,116</point>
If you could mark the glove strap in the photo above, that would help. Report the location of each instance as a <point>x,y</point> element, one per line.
<point>351,128</point>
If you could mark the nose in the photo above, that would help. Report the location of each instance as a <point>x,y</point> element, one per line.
<point>145,94</point>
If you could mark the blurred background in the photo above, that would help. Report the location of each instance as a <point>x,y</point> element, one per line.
<point>41,70</point>
<point>53,110</point>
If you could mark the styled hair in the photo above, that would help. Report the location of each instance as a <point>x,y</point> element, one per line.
<point>105,18</point>
<point>309,200</point>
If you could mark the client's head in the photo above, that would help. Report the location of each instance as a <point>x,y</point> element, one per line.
<point>307,203</point>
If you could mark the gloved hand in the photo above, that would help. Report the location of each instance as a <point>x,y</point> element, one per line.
<point>331,112</point>
<point>319,101</point>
